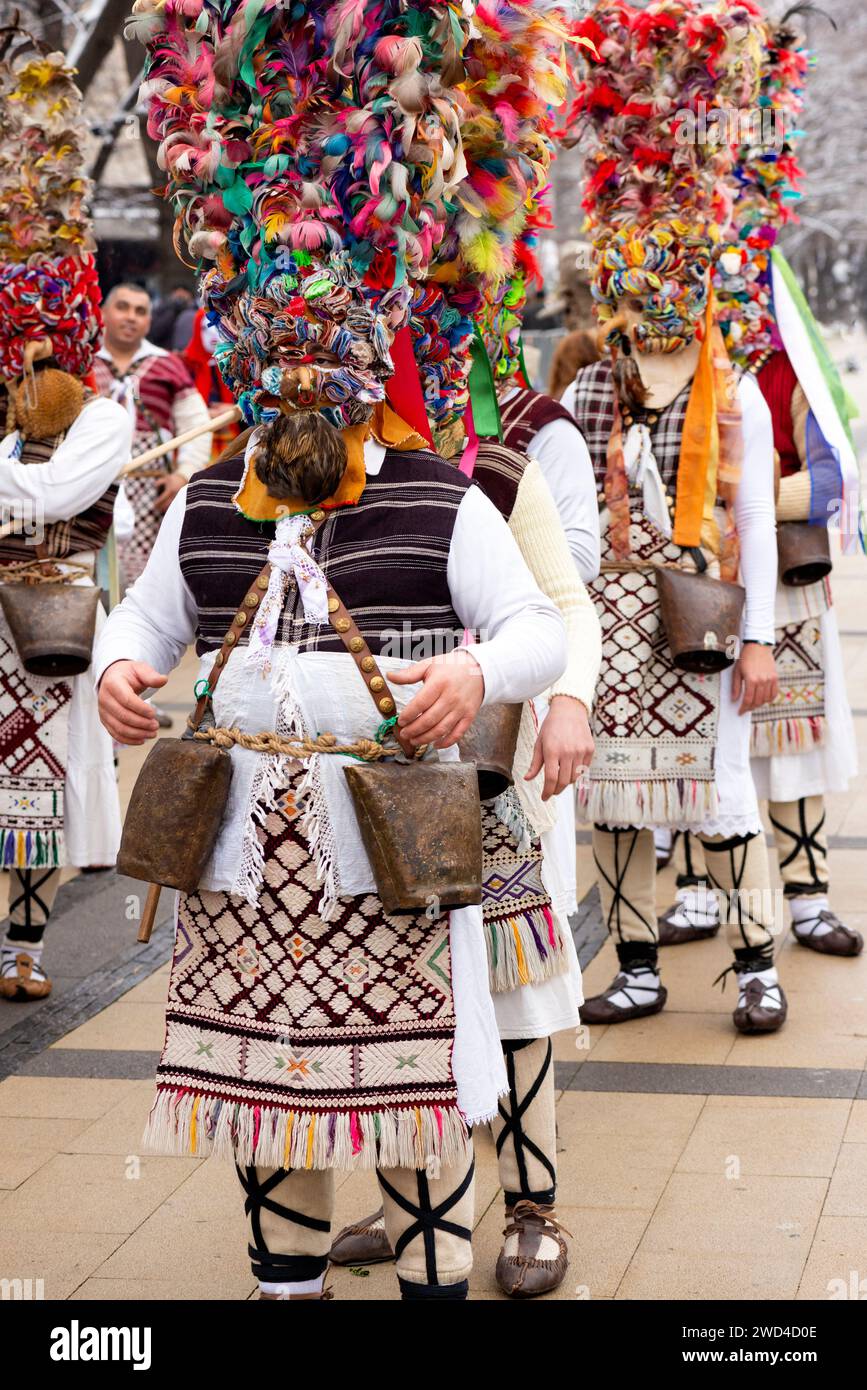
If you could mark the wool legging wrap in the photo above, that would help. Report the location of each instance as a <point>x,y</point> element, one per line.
<point>525,1127</point>
<point>736,867</point>
<point>802,845</point>
<point>31,899</point>
<point>428,1220</point>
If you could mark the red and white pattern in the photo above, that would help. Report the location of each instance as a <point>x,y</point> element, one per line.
<point>300,1042</point>
<point>34,726</point>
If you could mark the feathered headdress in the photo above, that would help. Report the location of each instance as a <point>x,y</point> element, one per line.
<point>766,181</point>
<point>310,150</point>
<point>516,76</point>
<point>661,107</point>
<point>48,282</point>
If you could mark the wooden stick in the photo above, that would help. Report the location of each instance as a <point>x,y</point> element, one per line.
<point>219,422</point>
<point>146,925</point>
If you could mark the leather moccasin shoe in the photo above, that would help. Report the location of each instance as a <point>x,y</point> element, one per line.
<point>366,1243</point>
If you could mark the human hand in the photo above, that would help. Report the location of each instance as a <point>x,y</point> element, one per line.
<point>564,746</point>
<point>128,719</point>
<point>168,489</point>
<point>450,698</point>
<point>755,677</point>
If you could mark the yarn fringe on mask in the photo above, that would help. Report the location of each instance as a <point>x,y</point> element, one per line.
<point>184,1123</point>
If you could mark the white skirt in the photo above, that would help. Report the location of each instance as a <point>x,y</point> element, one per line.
<point>536,1011</point>
<point>789,776</point>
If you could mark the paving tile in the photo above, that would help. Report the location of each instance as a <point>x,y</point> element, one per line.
<point>837,1267</point>
<point>56,1098</point>
<point>204,1253</point>
<point>856,1129</point>
<point>667,1037</point>
<point>16,1168</point>
<point>24,1132</point>
<point>758,1135</point>
<point>62,1265</point>
<point>123,1026</point>
<point>715,1238</point>
<point>619,1151</point>
<point>92,1063</point>
<point>153,990</point>
<point>121,1130</point>
<point>847,1195</point>
<point>92,1192</point>
<point>801,1043</point>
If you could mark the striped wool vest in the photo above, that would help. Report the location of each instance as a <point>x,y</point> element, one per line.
<point>386,557</point>
<point>86,532</point>
<point>525,414</point>
<point>498,472</point>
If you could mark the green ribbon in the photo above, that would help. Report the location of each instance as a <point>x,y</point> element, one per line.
<point>842,400</point>
<point>522,366</point>
<point>483,395</point>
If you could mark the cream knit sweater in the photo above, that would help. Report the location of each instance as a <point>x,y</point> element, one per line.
<point>535,524</point>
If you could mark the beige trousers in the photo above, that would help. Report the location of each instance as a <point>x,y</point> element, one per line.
<point>525,1127</point>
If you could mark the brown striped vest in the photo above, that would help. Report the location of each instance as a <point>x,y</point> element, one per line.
<point>386,557</point>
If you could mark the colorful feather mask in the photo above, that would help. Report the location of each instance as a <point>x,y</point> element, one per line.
<point>311,152</point>
<point>48,282</point>
<point>766,183</point>
<point>660,110</point>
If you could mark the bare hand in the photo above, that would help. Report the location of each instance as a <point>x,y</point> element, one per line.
<point>755,677</point>
<point>448,702</point>
<point>127,718</point>
<point>168,489</point>
<point>564,746</point>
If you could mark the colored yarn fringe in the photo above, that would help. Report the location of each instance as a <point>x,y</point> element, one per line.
<point>524,949</point>
<point>800,735</point>
<point>32,849</point>
<point>678,802</point>
<point>184,1123</point>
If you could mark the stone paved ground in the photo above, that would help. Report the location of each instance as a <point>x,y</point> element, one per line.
<point>693,1163</point>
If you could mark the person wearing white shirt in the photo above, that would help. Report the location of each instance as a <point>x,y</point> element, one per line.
<point>421,552</point>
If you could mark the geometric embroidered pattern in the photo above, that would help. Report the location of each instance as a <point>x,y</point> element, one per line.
<point>34,723</point>
<point>270,1005</point>
<point>523,939</point>
<point>795,721</point>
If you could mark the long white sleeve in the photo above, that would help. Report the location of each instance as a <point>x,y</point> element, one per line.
<point>755,514</point>
<point>188,412</point>
<point>156,621</point>
<point>95,448</point>
<point>565,461</point>
<point>522,646</point>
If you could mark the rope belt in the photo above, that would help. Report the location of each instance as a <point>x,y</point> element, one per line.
<point>33,572</point>
<point>369,750</point>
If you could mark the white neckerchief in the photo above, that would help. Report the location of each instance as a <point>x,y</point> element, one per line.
<point>642,471</point>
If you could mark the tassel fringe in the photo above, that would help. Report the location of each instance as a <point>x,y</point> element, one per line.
<point>181,1123</point>
<point>32,849</point>
<point>683,801</point>
<point>524,950</point>
<point>800,735</point>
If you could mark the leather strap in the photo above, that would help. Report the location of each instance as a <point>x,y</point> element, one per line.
<point>249,603</point>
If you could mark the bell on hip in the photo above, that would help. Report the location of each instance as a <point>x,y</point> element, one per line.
<point>490,743</point>
<point>804,553</point>
<point>174,813</point>
<point>52,625</point>
<point>701,616</point>
<point>421,824</point>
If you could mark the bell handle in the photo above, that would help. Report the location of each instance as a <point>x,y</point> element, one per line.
<point>146,925</point>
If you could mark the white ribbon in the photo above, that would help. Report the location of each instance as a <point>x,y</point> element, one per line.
<point>288,555</point>
<point>642,471</point>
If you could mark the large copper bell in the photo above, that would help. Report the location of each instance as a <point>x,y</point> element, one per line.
<point>490,743</point>
<point>174,813</point>
<point>804,553</point>
<point>702,619</point>
<point>421,824</point>
<point>52,625</point>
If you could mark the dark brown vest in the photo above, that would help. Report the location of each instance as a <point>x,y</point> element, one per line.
<point>386,557</point>
<point>526,414</point>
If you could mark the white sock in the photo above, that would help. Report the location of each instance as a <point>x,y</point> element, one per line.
<point>697,906</point>
<point>11,948</point>
<point>304,1286</point>
<point>770,979</point>
<point>805,914</point>
<point>643,986</point>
